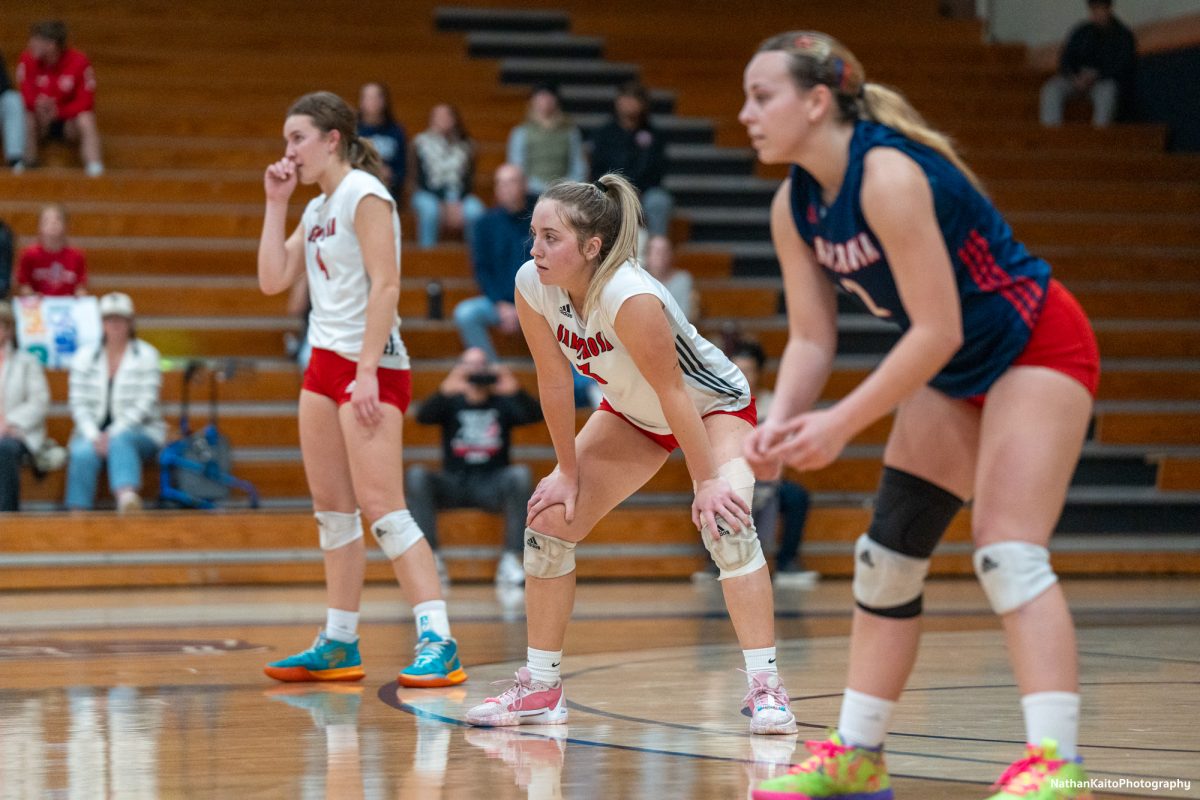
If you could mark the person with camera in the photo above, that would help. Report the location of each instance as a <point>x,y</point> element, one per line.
<point>477,406</point>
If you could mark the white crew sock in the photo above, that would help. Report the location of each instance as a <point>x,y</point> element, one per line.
<point>865,719</point>
<point>431,616</point>
<point>760,660</point>
<point>1053,715</point>
<point>544,665</point>
<point>341,626</point>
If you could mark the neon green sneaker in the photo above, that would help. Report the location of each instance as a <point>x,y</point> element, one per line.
<point>833,772</point>
<point>1043,775</point>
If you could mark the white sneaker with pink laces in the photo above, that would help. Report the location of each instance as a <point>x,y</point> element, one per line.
<point>526,702</point>
<point>768,704</point>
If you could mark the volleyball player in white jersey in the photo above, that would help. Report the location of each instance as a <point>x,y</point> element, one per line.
<point>584,300</point>
<point>356,388</point>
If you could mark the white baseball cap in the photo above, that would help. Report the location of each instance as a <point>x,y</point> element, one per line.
<point>116,304</point>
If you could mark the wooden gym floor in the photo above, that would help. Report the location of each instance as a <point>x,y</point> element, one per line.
<point>159,693</point>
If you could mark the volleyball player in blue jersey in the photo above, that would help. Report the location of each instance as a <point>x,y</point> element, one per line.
<point>992,381</point>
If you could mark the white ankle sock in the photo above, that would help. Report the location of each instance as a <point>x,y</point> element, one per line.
<point>341,626</point>
<point>760,660</point>
<point>543,665</point>
<point>431,616</point>
<point>1053,715</point>
<point>865,719</point>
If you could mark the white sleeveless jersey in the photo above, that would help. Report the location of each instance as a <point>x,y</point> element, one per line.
<point>713,382</point>
<point>337,278</point>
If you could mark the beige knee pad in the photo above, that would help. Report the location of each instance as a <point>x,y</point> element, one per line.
<point>736,553</point>
<point>337,528</point>
<point>547,556</point>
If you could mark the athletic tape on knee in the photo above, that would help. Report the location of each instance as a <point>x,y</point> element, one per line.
<point>338,529</point>
<point>396,533</point>
<point>735,552</point>
<point>547,556</point>
<point>1013,573</point>
<point>887,583</point>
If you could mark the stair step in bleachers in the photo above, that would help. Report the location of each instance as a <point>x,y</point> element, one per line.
<point>470,18</point>
<point>498,44</point>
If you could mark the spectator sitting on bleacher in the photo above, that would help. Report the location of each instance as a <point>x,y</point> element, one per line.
<point>629,144</point>
<point>50,266</point>
<point>1099,61</point>
<point>12,120</point>
<point>499,246</point>
<point>376,122</point>
<point>547,146</point>
<point>114,399</point>
<point>445,157</point>
<point>7,246</point>
<point>660,262</point>
<point>477,406</point>
<point>24,399</point>
<point>59,88</point>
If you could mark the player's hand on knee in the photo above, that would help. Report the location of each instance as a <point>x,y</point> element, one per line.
<point>717,498</point>
<point>364,400</point>
<point>554,489</point>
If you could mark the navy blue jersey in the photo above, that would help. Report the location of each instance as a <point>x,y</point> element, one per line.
<point>1000,285</point>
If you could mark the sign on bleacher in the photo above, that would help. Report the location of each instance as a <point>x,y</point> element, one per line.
<point>55,328</point>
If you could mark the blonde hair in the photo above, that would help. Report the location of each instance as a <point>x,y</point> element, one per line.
<point>818,59</point>
<point>608,209</point>
<point>329,112</point>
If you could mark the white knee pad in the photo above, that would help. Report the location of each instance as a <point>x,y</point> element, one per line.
<point>338,529</point>
<point>736,553</point>
<point>886,582</point>
<point>547,556</point>
<point>1013,573</point>
<point>396,532</point>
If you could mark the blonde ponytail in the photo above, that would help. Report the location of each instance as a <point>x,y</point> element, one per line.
<point>608,209</point>
<point>888,107</point>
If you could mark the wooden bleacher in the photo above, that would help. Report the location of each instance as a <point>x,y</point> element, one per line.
<point>190,107</point>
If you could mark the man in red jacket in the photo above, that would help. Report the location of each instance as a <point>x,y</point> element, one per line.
<point>59,88</point>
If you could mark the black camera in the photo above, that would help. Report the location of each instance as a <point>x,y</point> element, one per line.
<point>482,378</point>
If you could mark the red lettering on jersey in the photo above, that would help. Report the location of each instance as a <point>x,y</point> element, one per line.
<point>321,264</point>
<point>585,369</point>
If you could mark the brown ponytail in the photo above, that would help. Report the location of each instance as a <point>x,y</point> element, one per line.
<point>818,59</point>
<point>608,209</point>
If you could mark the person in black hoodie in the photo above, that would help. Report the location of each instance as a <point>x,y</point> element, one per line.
<point>630,145</point>
<point>1098,60</point>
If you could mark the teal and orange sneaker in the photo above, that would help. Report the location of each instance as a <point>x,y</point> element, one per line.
<point>326,660</point>
<point>834,771</point>
<point>1043,775</point>
<point>436,664</point>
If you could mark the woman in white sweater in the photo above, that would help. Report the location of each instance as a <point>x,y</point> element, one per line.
<point>24,397</point>
<point>114,391</point>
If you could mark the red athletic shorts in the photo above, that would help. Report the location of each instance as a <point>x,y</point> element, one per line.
<point>665,440</point>
<point>332,375</point>
<point>1062,340</point>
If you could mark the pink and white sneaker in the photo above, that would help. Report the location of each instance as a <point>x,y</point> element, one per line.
<point>768,704</point>
<point>526,702</point>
